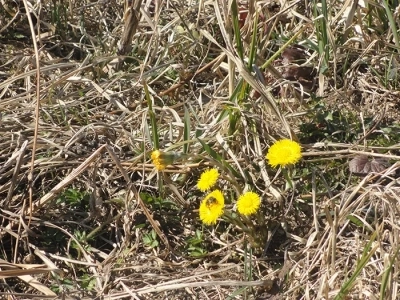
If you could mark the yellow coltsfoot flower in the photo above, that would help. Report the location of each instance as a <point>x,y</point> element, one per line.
<point>284,152</point>
<point>207,179</point>
<point>248,203</point>
<point>162,159</point>
<point>212,207</point>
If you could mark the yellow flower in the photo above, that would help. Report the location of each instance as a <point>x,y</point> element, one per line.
<point>248,203</point>
<point>212,207</point>
<point>284,152</point>
<point>207,179</point>
<point>162,159</point>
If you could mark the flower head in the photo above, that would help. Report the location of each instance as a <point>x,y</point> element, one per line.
<point>248,203</point>
<point>162,159</point>
<point>212,207</point>
<point>207,179</point>
<point>284,152</point>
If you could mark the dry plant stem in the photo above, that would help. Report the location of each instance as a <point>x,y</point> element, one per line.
<point>59,80</point>
<point>37,107</point>
<point>15,16</point>
<point>21,154</point>
<point>175,190</point>
<point>177,283</point>
<point>226,29</point>
<point>131,22</point>
<point>166,286</point>
<point>22,272</point>
<point>323,145</point>
<point>334,238</point>
<point>349,151</point>
<point>314,192</point>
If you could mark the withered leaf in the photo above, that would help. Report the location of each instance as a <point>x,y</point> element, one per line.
<point>294,54</point>
<point>361,165</point>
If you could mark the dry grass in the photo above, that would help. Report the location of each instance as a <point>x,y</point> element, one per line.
<point>85,215</point>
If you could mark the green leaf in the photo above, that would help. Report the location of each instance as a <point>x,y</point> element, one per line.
<point>218,158</point>
<point>365,257</point>
<point>355,220</point>
<point>152,116</point>
<point>236,29</point>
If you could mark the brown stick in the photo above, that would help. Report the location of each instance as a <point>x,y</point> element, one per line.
<point>131,22</point>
